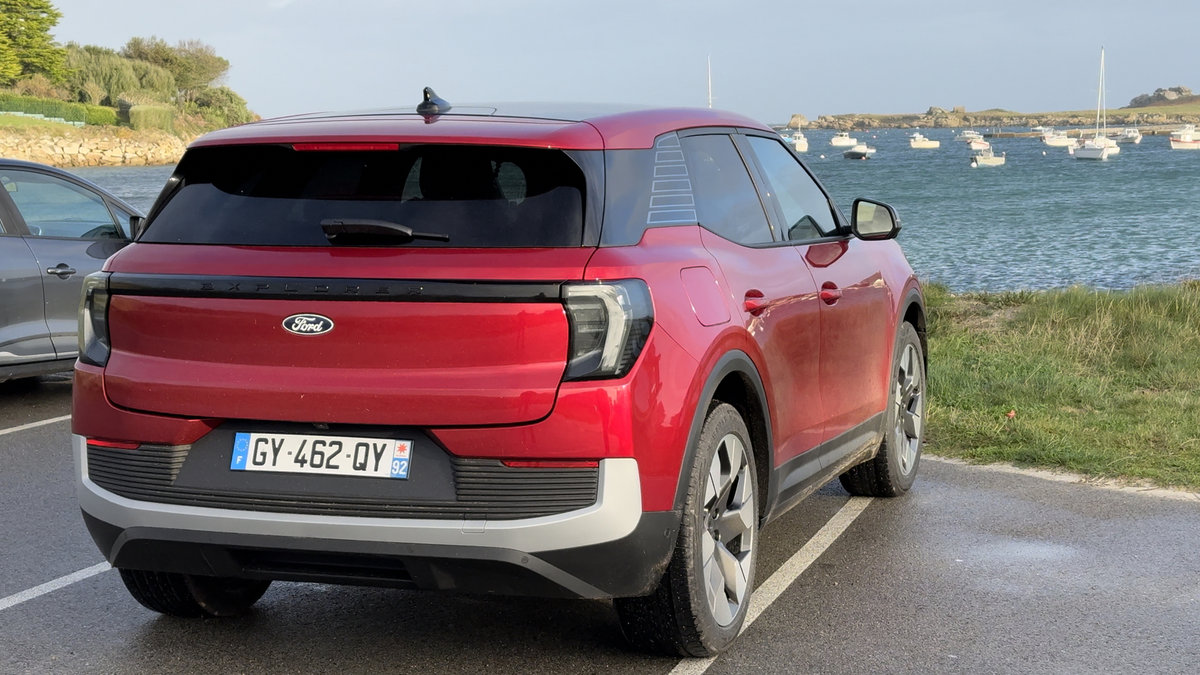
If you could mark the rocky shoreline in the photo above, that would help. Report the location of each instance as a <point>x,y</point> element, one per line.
<point>958,118</point>
<point>91,146</point>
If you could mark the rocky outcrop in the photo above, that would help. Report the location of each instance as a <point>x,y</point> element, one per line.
<point>798,121</point>
<point>91,146</point>
<point>1160,97</point>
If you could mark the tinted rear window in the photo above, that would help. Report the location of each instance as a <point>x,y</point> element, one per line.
<point>272,195</point>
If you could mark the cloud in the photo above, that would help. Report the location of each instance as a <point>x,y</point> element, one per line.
<point>279,4</point>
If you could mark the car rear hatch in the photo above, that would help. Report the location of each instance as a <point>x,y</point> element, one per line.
<point>312,284</point>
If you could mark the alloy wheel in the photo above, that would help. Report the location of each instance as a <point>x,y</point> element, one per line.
<point>909,399</point>
<point>728,538</point>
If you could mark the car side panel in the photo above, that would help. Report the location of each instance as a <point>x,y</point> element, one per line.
<point>24,335</point>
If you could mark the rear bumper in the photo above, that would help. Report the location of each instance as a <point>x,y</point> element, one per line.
<point>608,549</point>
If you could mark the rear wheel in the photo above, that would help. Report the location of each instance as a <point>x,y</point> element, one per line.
<point>701,602</point>
<point>189,596</point>
<point>892,471</point>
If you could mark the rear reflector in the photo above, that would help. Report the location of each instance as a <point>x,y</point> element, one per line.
<point>344,147</point>
<point>551,464</point>
<point>120,445</point>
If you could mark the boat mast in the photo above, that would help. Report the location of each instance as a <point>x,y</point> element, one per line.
<point>710,80</point>
<point>1100,93</point>
<point>1103,97</point>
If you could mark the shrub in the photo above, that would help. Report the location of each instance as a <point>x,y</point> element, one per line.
<point>101,116</point>
<point>71,112</point>
<point>152,117</point>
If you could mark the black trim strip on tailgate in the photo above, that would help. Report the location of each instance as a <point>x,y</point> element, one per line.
<point>295,288</point>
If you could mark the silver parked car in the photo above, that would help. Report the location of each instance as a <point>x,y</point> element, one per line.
<point>55,229</point>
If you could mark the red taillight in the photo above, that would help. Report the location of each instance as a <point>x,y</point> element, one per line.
<point>551,464</point>
<point>344,147</point>
<point>120,445</point>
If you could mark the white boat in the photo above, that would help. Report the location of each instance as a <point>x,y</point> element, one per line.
<point>1130,136</point>
<point>920,142</point>
<point>1058,139</point>
<point>979,144</point>
<point>842,140</point>
<point>799,142</point>
<point>1185,138</point>
<point>859,151</point>
<point>1097,147</point>
<point>1042,130</point>
<point>986,158</point>
<point>969,135</point>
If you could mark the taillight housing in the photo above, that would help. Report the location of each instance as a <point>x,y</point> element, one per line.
<point>610,322</point>
<point>93,320</point>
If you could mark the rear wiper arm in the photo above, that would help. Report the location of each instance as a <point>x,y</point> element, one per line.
<point>352,229</point>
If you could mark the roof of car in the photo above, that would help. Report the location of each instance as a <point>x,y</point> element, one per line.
<point>563,126</point>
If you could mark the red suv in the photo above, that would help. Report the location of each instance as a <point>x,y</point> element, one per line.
<point>553,352</point>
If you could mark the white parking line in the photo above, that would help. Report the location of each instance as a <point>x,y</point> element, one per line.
<point>33,425</point>
<point>49,586</point>
<point>770,590</point>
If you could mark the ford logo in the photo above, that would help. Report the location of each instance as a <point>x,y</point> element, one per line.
<point>308,324</point>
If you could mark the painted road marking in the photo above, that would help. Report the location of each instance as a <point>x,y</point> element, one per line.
<point>50,586</point>
<point>770,590</point>
<point>33,425</point>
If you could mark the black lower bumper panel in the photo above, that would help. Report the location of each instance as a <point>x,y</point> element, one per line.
<point>626,567</point>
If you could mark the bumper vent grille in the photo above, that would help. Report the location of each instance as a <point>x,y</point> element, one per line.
<point>484,489</point>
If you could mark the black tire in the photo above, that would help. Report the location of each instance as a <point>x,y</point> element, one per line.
<point>188,596</point>
<point>694,611</point>
<point>892,471</point>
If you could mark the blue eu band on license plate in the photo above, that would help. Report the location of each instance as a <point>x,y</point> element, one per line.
<point>322,455</point>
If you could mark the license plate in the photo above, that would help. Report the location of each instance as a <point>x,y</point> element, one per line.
<point>328,455</point>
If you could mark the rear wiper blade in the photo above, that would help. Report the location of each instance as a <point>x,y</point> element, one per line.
<point>339,230</point>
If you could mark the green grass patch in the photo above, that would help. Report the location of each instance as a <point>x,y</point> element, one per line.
<point>1105,384</point>
<point>13,121</point>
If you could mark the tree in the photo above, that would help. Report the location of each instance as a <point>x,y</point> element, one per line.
<point>10,64</point>
<point>194,64</point>
<point>26,24</point>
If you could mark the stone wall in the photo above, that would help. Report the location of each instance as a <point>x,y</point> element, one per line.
<point>91,146</point>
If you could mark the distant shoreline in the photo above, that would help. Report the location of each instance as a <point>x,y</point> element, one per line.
<point>958,118</point>
<point>91,146</point>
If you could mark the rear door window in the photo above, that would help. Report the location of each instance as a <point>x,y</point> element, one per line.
<point>726,201</point>
<point>274,195</point>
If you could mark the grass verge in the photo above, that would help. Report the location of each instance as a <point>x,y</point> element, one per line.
<point>1105,384</point>
<point>15,121</point>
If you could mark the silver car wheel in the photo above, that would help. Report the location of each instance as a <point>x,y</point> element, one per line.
<point>727,542</point>
<point>909,399</point>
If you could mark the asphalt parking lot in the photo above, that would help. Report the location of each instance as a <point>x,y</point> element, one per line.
<point>975,571</point>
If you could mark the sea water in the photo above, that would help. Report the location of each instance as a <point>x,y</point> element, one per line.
<point>1043,220</point>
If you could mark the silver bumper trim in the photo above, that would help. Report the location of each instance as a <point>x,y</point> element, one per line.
<point>615,514</point>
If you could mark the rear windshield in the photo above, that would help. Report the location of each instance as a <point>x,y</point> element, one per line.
<point>273,195</point>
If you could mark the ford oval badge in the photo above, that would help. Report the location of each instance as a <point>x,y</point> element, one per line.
<point>308,324</point>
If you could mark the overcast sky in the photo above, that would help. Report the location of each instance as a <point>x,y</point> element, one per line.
<point>769,60</point>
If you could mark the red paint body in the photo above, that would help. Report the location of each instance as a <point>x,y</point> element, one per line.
<point>486,380</point>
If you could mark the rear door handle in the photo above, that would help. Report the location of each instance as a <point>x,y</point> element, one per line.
<point>755,302</point>
<point>62,270</point>
<point>830,293</point>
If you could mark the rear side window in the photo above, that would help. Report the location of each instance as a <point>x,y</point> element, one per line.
<point>273,195</point>
<point>726,200</point>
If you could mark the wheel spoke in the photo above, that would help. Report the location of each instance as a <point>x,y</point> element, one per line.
<point>735,522</point>
<point>713,487</point>
<point>714,586</point>
<point>731,570</point>
<point>911,423</point>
